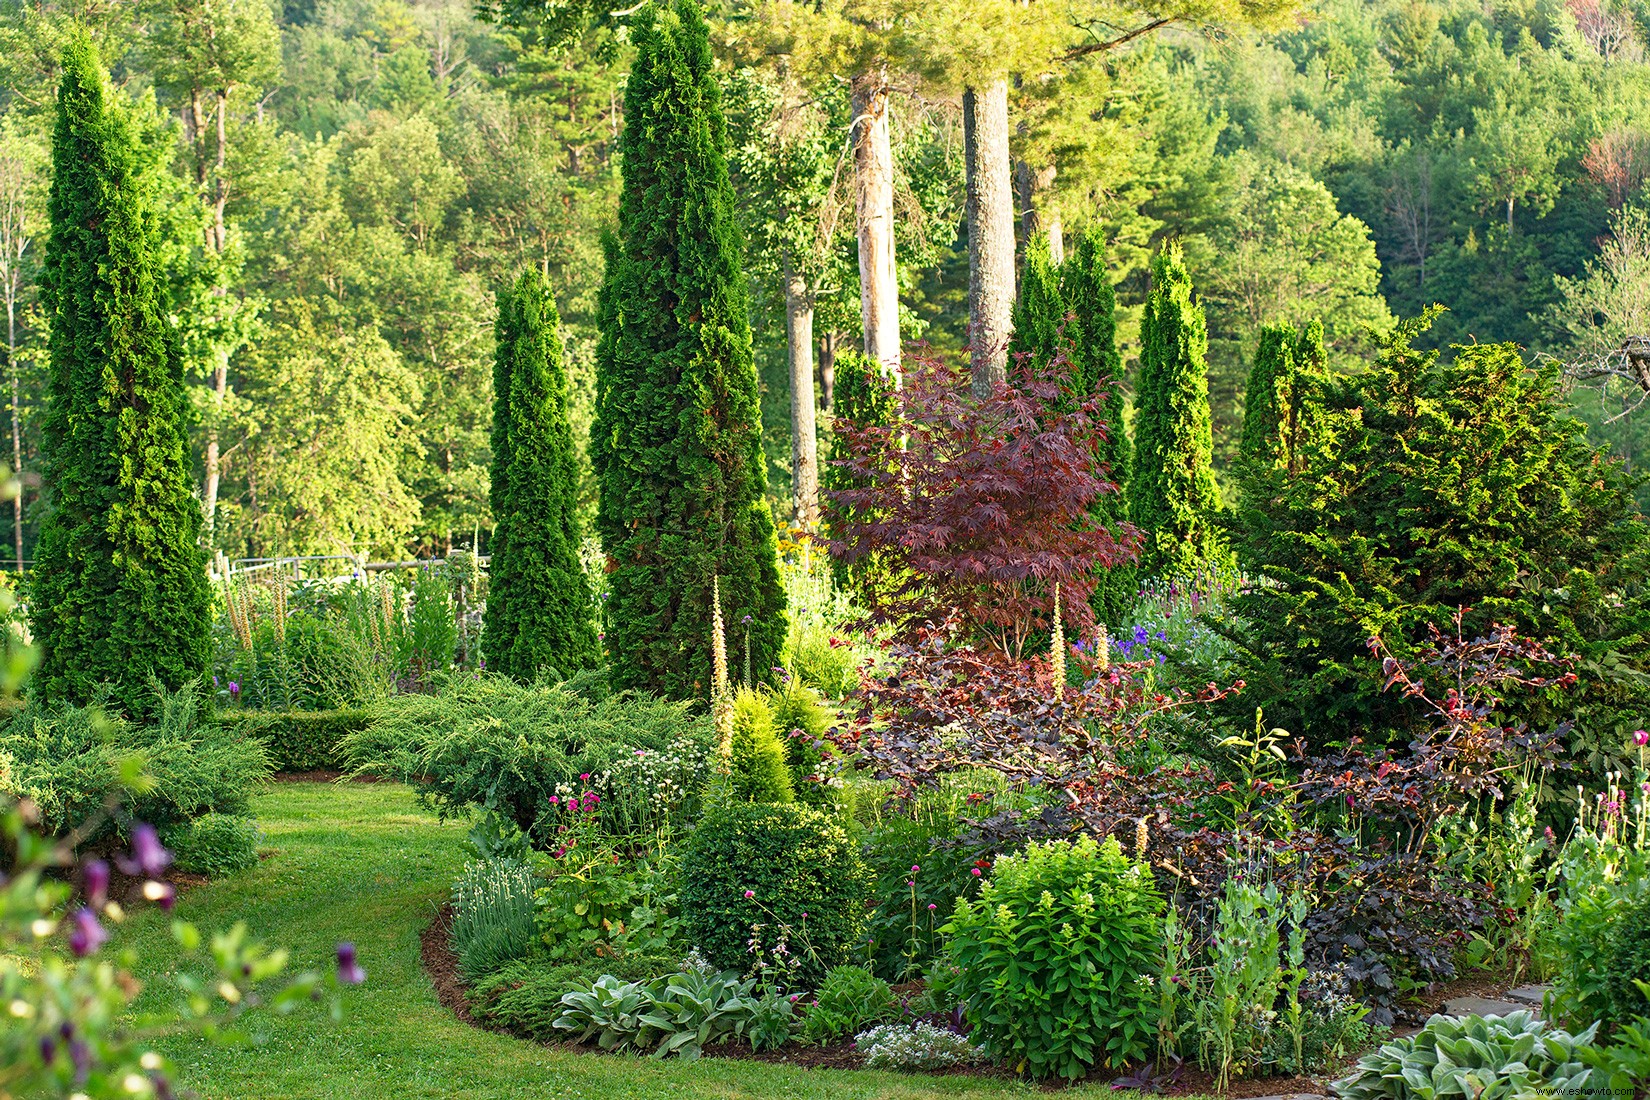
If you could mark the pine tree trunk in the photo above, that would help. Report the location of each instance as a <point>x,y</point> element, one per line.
<point>990,234</point>
<point>874,212</point>
<point>799,333</point>
<point>827,371</point>
<point>16,423</point>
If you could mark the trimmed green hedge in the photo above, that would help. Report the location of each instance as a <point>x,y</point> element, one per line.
<point>300,740</point>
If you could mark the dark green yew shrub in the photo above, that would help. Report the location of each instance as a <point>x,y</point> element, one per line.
<point>776,873</point>
<point>1050,957</point>
<point>213,844</point>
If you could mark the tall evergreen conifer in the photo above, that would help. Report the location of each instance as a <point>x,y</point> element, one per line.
<point>119,590</point>
<point>1173,498</point>
<point>864,397</point>
<point>1039,315</point>
<point>539,617</point>
<point>677,439</point>
<point>1267,415</point>
<point>1098,367</point>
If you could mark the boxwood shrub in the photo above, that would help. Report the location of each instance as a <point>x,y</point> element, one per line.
<point>788,868</point>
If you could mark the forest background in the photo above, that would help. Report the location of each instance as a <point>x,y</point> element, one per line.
<point>347,183</point>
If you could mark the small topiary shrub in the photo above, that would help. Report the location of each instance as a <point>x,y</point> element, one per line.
<point>774,873</point>
<point>213,844</point>
<point>758,769</point>
<point>1628,961</point>
<point>1050,955</point>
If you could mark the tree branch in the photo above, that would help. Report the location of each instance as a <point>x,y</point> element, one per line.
<point>1121,40</point>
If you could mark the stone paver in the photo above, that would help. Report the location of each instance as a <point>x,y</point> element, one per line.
<point>1528,994</point>
<point>1481,1006</point>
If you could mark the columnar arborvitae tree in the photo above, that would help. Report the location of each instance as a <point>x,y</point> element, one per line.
<point>119,590</point>
<point>1267,415</point>
<point>1173,498</point>
<point>539,608</point>
<point>1039,315</point>
<point>498,627</point>
<point>1097,367</point>
<point>677,439</point>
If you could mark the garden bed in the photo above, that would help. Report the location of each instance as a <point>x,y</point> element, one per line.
<point>441,964</point>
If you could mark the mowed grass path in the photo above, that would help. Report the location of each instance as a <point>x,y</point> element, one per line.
<point>362,862</point>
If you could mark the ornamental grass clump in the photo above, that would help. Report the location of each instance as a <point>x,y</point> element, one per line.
<point>493,915</point>
<point>1050,958</point>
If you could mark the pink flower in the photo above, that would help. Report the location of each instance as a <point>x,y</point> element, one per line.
<point>750,893</point>
<point>915,868</point>
<point>976,871</point>
<point>554,801</point>
<point>584,777</point>
<point>1641,738</point>
<point>933,905</point>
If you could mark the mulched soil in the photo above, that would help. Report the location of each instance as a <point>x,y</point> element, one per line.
<point>441,963</point>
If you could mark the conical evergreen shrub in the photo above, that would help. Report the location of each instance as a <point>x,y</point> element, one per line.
<point>539,617</point>
<point>864,397</point>
<point>119,590</point>
<point>1173,498</point>
<point>677,438</point>
<point>1267,415</point>
<point>1039,315</point>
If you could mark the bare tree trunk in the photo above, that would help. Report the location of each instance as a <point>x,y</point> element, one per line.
<point>874,212</point>
<point>827,371</point>
<point>799,335</point>
<point>217,239</point>
<point>990,234</point>
<point>16,423</point>
<point>1034,219</point>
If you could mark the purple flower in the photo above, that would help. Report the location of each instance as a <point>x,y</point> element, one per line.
<point>933,905</point>
<point>48,1050</point>
<point>81,1055</point>
<point>349,971</point>
<point>88,934</point>
<point>149,857</point>
<point>234,688</point>
<point>915,868</point>
<point>97,883</point>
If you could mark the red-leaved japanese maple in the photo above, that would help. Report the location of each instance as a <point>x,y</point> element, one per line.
<point>979,506</point>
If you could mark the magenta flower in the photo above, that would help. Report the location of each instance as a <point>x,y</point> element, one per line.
<point>915,868</point>
<point>554,801</point>
<point>1641,738</point>
<point>750,893</point>
<point>976,871</point>
<point>933,905</point>
<point>97,883</point>
<point>584,777</point>
<point>149,858</point>
<point>88,934</point>
<point>349,970</point>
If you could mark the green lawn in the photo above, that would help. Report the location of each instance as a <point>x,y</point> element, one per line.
<point>362,862</point>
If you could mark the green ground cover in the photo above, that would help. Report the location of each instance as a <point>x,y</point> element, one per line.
<point>362,862</point>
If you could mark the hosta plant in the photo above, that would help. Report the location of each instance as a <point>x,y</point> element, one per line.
<point>1474,1057</point>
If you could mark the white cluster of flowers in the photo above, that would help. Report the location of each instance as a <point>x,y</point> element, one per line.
<point>656,782</point>
<point>916,1046</point>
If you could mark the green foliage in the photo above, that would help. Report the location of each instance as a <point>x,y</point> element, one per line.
<point>493,915</point>
<point>118,592</point>
<point>298,740</point>
<point>1628,969</point>
<point>792,861</point>
<point>597,907</point>
<point>849,998</point>
<point>1039,316</point>
<point>213,844</point>
<point>819,648</point>
<point>1096,367</point>
<point>1232,1005</point>
<point>304,663</point>
<point>539,608</point>
<point>1491,1058</point>
<point>680,1013</point>
<point>73,762</point>
<point>1173,498</point>
<point>758,769</point>
<point>1050,955</point>
<point>488,741</point>
<point>918,1046</point>
<point>677,439</point>
<point>1266,400</point>
<point>1425,486</point>
<point>800,721</point>
<point>524,997</point>
<point>865,397</point>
